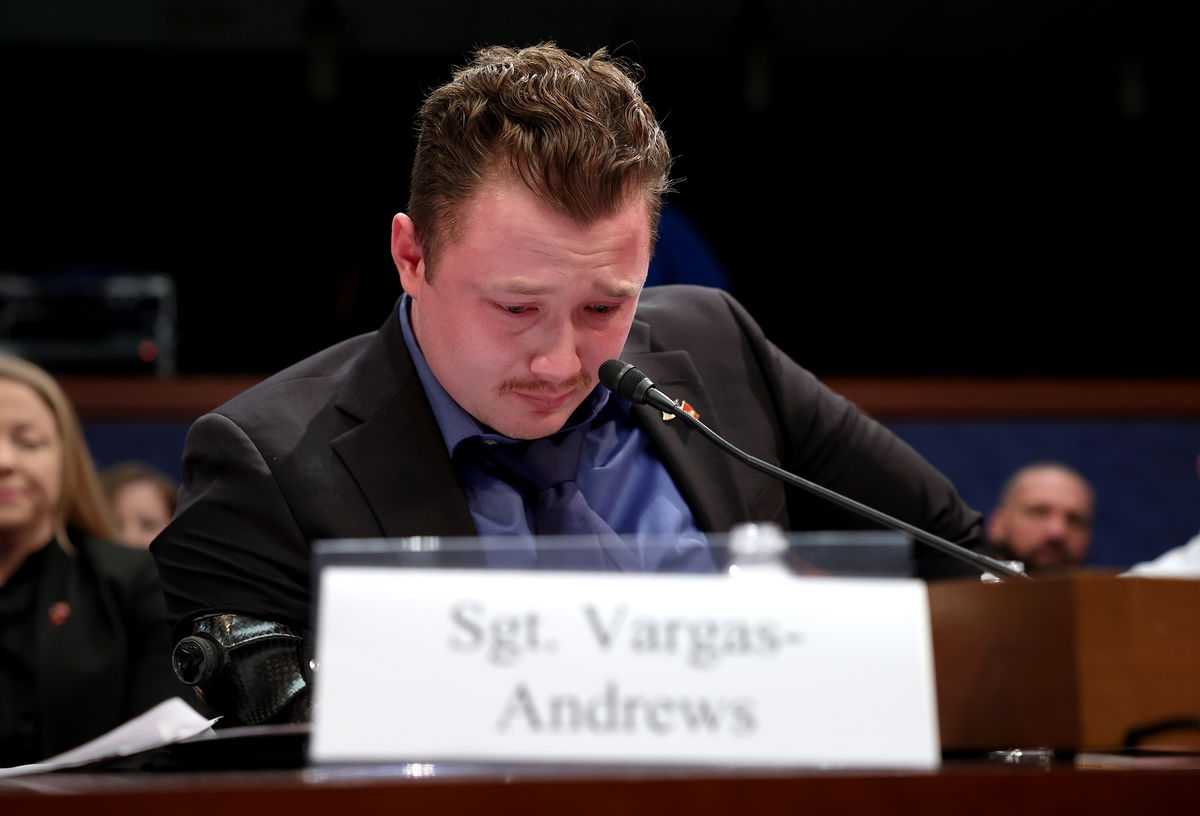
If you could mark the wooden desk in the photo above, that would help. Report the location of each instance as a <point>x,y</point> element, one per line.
<point>1073,662</point>
<point>977,788</point>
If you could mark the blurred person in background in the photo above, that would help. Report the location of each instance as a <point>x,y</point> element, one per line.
<point>142,500</point>
<point>83,646</point>
<point>1044,517</point>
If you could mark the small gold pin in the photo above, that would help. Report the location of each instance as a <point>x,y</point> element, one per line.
<point>687,409</point>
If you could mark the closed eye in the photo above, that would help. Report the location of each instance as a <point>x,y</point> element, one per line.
<point>516,309</point>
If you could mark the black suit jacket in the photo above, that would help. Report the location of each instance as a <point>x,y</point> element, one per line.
<point>102,652</point>
<point>345,445</point>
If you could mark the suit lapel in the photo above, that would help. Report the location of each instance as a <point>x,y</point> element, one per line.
<point>703,472</point>
<point>396,454</point>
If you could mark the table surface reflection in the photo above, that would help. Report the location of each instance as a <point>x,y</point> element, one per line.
<point>974,786</point>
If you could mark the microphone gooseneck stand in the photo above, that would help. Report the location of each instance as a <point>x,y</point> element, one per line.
<point>627,381</point>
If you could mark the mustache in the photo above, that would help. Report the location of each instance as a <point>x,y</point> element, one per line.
<point>580,380</point>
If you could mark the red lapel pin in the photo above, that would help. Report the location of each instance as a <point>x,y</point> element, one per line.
<point>687,409</point>
<point>59,612</point>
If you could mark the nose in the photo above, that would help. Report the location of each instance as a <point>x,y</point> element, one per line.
<point>556,357</point>
<point>6,455</point>
<point>1056,526</point>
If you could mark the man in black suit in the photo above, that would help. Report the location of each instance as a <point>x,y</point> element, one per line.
<point>535,196</point>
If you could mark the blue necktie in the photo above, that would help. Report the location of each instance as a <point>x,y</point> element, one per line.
<point>544,470</point>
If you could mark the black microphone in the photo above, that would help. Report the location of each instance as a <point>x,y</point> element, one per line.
<point>626,381</point>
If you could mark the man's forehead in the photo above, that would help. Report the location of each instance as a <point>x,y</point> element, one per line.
<point>531,287</point>
<point>505,187</point>
<point>1044,484</point>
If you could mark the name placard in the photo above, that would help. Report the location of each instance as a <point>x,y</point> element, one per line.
<point>476,665</point>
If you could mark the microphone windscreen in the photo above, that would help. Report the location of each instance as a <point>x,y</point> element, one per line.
<point>616,375</point>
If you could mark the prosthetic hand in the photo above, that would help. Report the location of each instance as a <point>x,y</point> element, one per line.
<point>248,671</point>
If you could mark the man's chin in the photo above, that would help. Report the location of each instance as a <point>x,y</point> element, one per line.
<point>523,417</point>
<point>530,431</point>
<point>530,425</point>
<point>1052,560</point>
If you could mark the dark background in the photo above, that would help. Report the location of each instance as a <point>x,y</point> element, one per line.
<point>896,187</point>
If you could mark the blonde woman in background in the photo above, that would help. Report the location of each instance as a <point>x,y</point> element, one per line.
<point>82,643</point>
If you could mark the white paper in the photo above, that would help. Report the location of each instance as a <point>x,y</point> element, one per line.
<point>168,722</point>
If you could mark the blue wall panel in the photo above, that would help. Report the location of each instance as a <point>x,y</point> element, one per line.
<point>157,443</point>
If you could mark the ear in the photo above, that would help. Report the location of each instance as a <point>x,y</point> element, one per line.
<point>407,255</point>
<point>997,525</point>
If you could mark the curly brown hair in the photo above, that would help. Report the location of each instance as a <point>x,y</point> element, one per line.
<point>574,130</point>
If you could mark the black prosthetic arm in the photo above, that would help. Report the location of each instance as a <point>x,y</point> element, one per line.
<point>246,670</point>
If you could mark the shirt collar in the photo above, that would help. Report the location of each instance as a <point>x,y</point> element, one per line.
<point>453,421</point>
